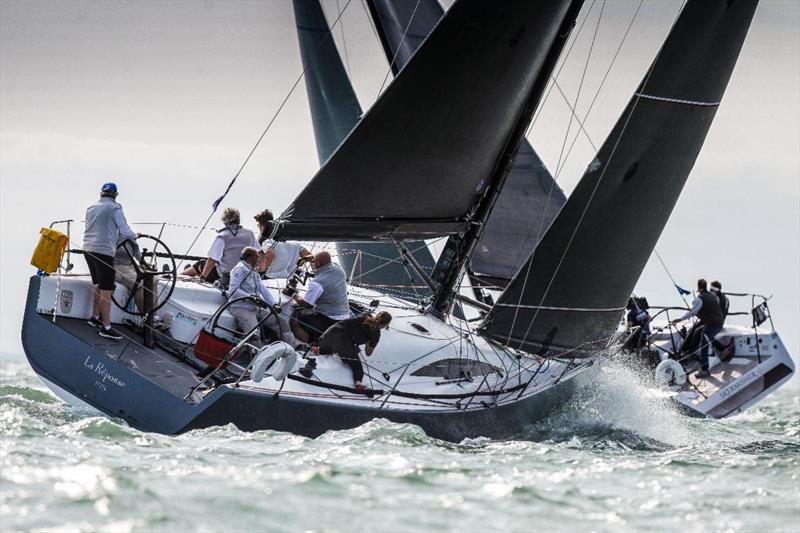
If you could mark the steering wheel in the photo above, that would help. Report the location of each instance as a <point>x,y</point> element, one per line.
<point>214,325</point>
<point>158,263</point>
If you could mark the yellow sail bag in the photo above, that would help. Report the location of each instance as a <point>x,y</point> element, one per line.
<point>47,255</point>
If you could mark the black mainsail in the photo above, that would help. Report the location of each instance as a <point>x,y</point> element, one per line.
<point>334,113</point>
<point>382,182</point>
<point>569,295</point>
<point>530,198</point>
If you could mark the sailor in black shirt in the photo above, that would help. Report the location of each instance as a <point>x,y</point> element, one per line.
<point>707,309</point>
<point>724,303</point>
<point>344,338</point>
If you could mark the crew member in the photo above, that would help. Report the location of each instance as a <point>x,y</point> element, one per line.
<point>343,339</point>
<point>105,224</point>
<point>707,309</point>
<point>724,303</point>
<point>128,252</point>
<point>224,251</point>
<point>278,260</point>
<point>638,321</point>
<point>325,301</point>
<point>245,282</point>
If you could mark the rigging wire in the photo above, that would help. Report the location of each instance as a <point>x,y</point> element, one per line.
<point>553,78</point>
<point>586,115</point>
<point>561,67</point>
<point>580,86</point>
<point>344,42</point>
<point>541,223</point>
<point>402,40</point>
<point>219,200</point>
<point>675,283</point>
<point>582,129</point>
<point>600,88</point>
<point>636,100</point>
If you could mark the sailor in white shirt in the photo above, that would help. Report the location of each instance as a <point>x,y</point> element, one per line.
<point>245,282</point>
<point>278,260</point>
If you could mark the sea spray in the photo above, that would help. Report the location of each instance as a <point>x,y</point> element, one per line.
<point>617,457</point>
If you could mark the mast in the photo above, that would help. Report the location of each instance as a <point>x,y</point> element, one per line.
<point>459,248</point>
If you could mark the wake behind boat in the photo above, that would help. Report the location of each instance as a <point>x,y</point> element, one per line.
<point>441,154</point>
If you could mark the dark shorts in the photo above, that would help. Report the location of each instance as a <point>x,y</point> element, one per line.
<point>314,323</point>
<point>101,267</point>
<point>212,276</point>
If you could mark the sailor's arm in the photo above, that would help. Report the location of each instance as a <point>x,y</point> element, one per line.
<point>697,304</point>
<point>214,255</point>
<point>312,295</point>
<point>372,343</point>
<point>265,294</point>
<point>125,231</point>
<point>266,257</point>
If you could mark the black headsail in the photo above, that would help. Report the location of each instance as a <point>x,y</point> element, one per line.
<point>570,294</point>
<point>420,161</point>
<point>529,200</point>
<point>334,112</point>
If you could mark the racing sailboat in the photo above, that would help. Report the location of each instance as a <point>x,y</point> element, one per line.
<point>432,158</point>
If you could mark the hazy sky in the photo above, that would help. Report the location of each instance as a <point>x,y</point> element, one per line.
<point>167,99</point>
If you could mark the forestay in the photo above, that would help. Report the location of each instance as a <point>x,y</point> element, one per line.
<point>418,161</point>
<point>334,113</point>
<point>571,292</point>
<point>530,198</point>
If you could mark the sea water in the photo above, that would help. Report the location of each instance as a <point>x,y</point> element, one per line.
<point>617,457</point>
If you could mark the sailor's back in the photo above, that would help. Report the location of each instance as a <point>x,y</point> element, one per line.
<point>101,231</point>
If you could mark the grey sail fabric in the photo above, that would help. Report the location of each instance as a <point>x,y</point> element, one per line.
<point>527,204</point>
<point>419,160</point>
<point>334,113</point>
<point>333,103</point>
<point>402,26</point>
<point>568,298</point>
<point>530,198</point>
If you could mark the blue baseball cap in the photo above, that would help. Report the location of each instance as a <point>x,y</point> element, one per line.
<point>109,187</point>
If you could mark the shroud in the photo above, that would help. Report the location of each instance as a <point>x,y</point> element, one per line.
<point>530,198</point>
<point>419,161</point>
<point>335,111</point>
<point>570,294</point>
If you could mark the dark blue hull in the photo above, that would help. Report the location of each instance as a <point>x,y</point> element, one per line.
<point>97,374</point>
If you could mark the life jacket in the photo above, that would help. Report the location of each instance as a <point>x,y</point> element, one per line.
<point>235,239</point>
<point>333,300</point>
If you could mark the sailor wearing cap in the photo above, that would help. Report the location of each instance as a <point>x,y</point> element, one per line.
<point>105,225</point>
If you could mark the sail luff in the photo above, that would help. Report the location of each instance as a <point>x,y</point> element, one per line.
<point>421,137</point>
<point>569,296</point>
<point>460,248</point>
<point>335,111</point>
<point>530,197</point>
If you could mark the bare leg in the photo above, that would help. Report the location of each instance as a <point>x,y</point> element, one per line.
<point>299,333</point>
<point>96,301</point>
<point>105,308</point>
<point>280,326</point>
